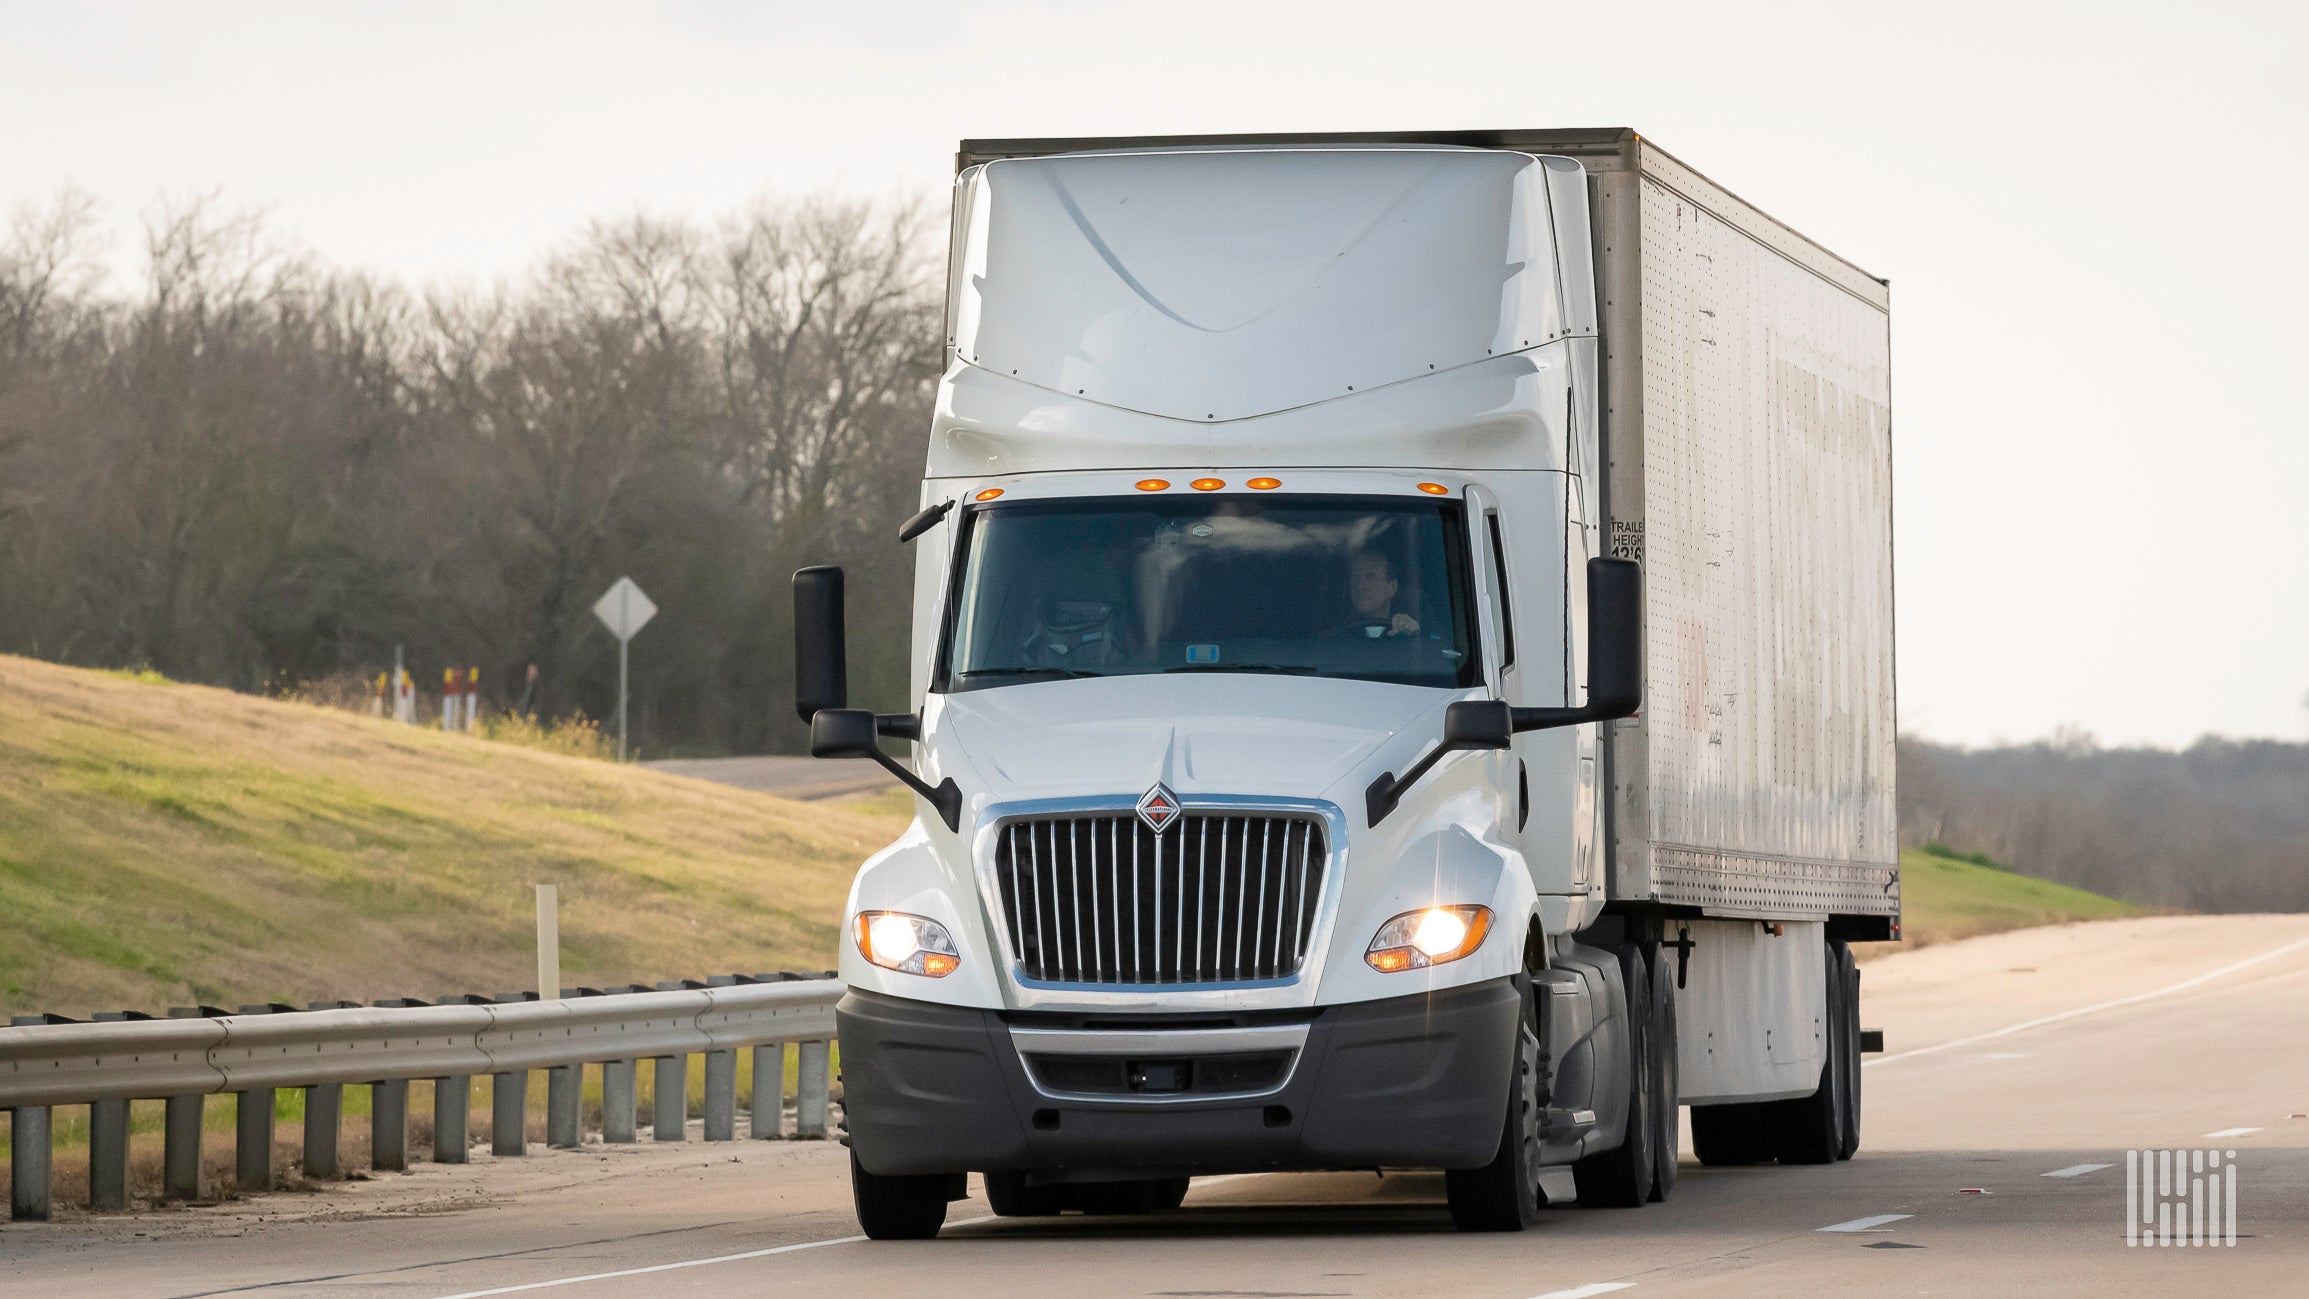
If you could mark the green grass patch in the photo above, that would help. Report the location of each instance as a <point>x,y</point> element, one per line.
<point>1945,896</point>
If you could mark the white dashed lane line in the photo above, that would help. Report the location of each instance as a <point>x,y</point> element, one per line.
<point>1868,1224</point>
<point>2076,1170</point>
<point>1582,1292</point>
<point>2232,1132</point>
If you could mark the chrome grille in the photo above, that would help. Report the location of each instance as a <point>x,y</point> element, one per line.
<point>1215,899</point>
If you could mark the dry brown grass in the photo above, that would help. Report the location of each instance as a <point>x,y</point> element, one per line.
<point>164,844</point>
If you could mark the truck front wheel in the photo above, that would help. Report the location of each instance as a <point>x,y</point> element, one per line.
<point>1503,1195</point>
<point>899,1208</point>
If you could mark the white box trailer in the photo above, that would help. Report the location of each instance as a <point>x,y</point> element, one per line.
<point>1306,517</point>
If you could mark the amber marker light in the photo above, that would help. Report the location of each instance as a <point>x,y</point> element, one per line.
<point>988,495</point>
<point>1208,484</point>
<point>1154,484</point>
<point>1264,484</point>
<point>1435,489</point>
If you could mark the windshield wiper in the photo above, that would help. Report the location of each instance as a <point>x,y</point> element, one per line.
<point>1290,669</point>
<point>1030,672</point>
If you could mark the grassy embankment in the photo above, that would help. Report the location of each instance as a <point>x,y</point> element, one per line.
<point>1945,897</point>
<point>166,845</point>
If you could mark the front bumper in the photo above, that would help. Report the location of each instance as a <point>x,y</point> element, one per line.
<point>1409,1082</point>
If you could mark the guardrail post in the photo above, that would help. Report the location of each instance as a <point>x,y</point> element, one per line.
<point>767,1122</point>
<point>452,1107</point>
<point>563,1085</point>
<point>108,1137</point>
<point>180,1147</point>
<point>617,1101</point>
<point>812,1090</point>
<point>669,1113</point>
<point>324,1108</point>
<point>389,1125</point>
<point>509,1113</point>
<point>108,1154</point>
<point>722,1095</point>
<point>253,1140</point>
<point>28,1156</point>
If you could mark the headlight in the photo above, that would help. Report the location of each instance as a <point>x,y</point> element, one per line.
<point>907,944</point>
<point>1418,939</point>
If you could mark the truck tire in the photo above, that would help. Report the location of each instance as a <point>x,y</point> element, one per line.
<point>1010,1197</point>
<point>1503,1195</point>
<point>1729,1136</point>
<point>1851,968</point>
<point>899,1208</point>
<point>1621,1178</point>
<point>1810,1129</point>
<point>1667,1135</point>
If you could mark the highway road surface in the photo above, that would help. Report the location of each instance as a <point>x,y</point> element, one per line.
<point>2020,1069</point>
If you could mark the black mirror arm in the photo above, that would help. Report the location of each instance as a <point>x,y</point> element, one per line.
<point>1545,719</point>
<point>924,519</point>
<point>946,796</point>
<point>1385,792</point>
<point>899,726</point>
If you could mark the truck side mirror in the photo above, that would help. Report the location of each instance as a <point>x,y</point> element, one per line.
<point>844,733</point>
<point>822,693</point>
<point>821,658</point>
<point>1615,649</point>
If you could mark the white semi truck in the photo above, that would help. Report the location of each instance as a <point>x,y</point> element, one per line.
<point>1402,678</point>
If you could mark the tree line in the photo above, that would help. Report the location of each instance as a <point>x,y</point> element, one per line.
<point>2222,825</point>
<point>255,470</point>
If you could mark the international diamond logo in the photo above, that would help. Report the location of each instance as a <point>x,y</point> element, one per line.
<point>1158,807</point>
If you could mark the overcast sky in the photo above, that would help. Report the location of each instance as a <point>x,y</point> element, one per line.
<point>2091,215</point>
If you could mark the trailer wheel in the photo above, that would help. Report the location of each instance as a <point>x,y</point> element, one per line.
<point>1729,1136</point>
<point>1010,1197</point>
<point>1810,1129</point>
<point>1667,1135</point>
<point>899,1208</point>
<point>1503,1195</point>
<point>1621,1178</point>
<point>1851,1024</point>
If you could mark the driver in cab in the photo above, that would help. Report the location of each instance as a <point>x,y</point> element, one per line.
<point>1371,588</point>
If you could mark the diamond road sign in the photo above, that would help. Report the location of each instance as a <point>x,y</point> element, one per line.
<point>624,609</point>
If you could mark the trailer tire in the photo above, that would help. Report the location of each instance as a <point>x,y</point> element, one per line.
<point>1729,1136</point>
<point>1810,1129</point>
<point>1010,1197</point>
<point>1621,1178</point>
<point>1851,1023</point>
<point>1503,1195</point>
<point>1129,1199</point>
<point>1667,1135</point>
<point>899,1208</point>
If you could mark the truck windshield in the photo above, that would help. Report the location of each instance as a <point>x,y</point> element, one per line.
<point>1374,589</point>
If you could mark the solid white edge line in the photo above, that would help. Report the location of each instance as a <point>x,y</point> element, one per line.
<point>1592,1288</point>
<point>1869,1223</point>
<point>2010,1029</point>
<point>2232,1132</point>
<point>2076,1170</point>
<point>677,1266</point>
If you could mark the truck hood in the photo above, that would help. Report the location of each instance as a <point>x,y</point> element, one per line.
<point>1217,734</point>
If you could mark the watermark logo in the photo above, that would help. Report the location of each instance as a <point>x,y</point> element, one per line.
<point>2180,1197</point>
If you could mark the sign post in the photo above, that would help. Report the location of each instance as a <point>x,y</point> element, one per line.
<point>624,610</point>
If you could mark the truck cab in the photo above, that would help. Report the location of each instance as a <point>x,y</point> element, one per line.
<point>1265,640</point>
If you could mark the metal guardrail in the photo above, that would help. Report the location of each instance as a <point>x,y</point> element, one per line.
<point>202,1052</point>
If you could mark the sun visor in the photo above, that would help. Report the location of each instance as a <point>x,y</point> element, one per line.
<point>1213,285</point>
